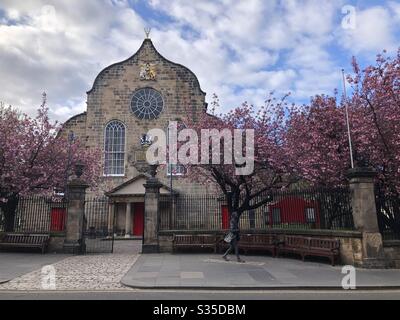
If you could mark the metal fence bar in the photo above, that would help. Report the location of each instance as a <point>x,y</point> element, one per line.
<point>328,209</point>
<point>40,214</point>
<point>98,237</point>
<point>388,213</point>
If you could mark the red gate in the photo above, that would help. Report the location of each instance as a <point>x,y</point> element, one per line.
<point>58,216</point>
<point>225,217</point>
<point>138,219</point>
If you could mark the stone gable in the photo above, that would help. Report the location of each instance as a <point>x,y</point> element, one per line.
<point>110,99</point>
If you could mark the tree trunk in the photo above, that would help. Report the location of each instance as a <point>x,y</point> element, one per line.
<point>9,210</point>
<point>234,219</point>
<point>233,207</point>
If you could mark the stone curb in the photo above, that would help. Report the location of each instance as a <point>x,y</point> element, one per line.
<point>252,288</point>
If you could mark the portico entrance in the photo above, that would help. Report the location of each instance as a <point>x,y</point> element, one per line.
<point>129,220</point>
<point>128,199</point>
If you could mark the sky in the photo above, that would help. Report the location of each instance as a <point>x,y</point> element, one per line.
<point>239,49</point>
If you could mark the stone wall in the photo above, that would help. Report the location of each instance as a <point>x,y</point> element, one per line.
<point>56,243</point>
<point>351,251</point>
<point>392,253</point>
<point>350,241</point>
<point>78,125</point>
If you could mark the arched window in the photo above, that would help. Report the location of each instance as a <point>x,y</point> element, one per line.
<point>114,149</point>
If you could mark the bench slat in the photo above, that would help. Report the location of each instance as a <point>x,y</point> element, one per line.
<point>25,240</point>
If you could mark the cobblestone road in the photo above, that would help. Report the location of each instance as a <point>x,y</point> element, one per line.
<point>89,272</point>
<point>97,272</point>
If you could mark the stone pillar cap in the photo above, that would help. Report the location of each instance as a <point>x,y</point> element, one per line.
<point>153,182</point>
<point>78,183</point>
<point>361,172</point>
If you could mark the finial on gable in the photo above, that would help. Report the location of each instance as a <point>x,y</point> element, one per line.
<point>147,32</point>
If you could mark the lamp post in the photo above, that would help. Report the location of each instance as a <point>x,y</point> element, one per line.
<point>170,171</point>
<point>169,165</point>
<point>71,138</point>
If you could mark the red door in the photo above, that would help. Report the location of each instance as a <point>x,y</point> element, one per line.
<point>225,218</point>
<point>138,219</point>
<point>57,219</point>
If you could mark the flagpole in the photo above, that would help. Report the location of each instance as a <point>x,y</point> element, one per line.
<point>347,120</point>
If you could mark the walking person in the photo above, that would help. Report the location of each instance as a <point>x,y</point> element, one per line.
<point>233,237</point>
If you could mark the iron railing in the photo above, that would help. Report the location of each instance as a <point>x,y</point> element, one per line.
<point>317,208</point>
<point>98,226</point>
<point>292,209</point>
<point>2,221</point>
<point>190,212</point>
<point>40,214</point>
<point>388,213</point>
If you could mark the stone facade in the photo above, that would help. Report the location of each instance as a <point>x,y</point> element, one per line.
<point>110,99</point>
<point>77,124</point>
<point>392,253</point>
<point>56,243</point>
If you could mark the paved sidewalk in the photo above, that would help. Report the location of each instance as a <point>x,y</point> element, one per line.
<point>204,271</point>
<point>13,265</point>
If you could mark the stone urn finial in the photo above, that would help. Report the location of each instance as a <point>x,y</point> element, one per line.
<point>153,170</point>
<point>79,169</point>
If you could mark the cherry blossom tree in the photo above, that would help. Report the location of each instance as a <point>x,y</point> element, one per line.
<point>244,191</point>
<point>376,101</point>
<point>36,159</point>
<point>316,139</point>
<point>376,127</point>
<point>316,142</point>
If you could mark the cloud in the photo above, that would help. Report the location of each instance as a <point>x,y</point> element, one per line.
<point>240,50</point>
<point>59,47</point>
<point>254,45</point>
<point>395,8</point>
<point>375,30</point>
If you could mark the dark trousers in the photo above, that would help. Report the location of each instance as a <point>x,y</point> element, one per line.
<point>233,246</point>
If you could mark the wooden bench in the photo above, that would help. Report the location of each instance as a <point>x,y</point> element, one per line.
<point>324,248</point>
<point>254,242</point>
<point>194,241</point>
<point>258,242</point>
<point>25,240</point>
<point>309,246</point>
<point>292,244</point>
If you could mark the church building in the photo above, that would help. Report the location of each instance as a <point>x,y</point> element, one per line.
<point>127,99</point>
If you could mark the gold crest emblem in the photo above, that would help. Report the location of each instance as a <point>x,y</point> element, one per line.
<point>147,72</point>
